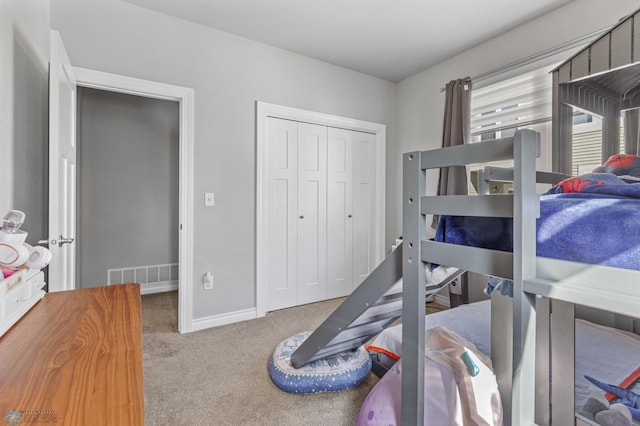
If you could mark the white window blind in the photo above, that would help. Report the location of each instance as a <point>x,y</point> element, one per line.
<point>587,149</point>
<point>513,103</point>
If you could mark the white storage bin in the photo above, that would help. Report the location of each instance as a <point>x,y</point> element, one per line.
<point>12,300</point>
<point>18,294</point>
<point>11,283</point>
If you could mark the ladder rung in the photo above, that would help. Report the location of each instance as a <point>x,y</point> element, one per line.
<point>395,313</point>
<point>336,349</point>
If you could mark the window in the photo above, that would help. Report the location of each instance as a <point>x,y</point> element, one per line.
<point>524,101</point>
<point>499,109</point>
<point>586,151</point>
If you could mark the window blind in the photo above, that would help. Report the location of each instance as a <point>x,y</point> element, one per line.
<point>587,151</point>
<point>516,102</point>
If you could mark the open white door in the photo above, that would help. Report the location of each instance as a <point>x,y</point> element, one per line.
<point>62,167</point>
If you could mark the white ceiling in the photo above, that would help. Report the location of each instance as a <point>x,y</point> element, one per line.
<point>391,39</point>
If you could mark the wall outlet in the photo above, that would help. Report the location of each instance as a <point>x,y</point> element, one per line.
<point>207,279</point>
<point>455,287</point>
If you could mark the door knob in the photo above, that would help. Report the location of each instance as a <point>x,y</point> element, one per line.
<point>349,215</point>
<point>301,217</point>
<point>64,241</point>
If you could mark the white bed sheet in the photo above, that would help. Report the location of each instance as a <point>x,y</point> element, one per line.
<point>605,353</point>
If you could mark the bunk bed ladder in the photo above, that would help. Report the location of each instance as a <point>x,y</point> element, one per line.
<point>515,345</point>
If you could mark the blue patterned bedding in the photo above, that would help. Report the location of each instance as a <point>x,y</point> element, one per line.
<point>593,218</point>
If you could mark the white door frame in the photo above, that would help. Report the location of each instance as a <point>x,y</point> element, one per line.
<point>265,110</point>
<point>184,96</point>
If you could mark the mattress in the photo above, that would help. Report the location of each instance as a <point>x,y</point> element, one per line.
<point>605,353</point>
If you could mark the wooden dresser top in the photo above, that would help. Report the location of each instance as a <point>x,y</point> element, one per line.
<point>76,359</point>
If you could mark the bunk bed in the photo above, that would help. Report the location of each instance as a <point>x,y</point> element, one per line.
<point>603,78</point>
<point>525,342</point>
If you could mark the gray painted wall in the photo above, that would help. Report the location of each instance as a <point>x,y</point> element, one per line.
<point>24,57</point>
<point>229,74</point>
<point>128,183</point>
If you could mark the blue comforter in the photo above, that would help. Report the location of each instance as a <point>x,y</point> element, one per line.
<point>594,219</point>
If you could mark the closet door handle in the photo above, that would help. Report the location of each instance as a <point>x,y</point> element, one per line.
<point>301,217</point>
<point>349,216</point>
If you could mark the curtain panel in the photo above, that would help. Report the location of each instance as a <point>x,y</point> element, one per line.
<point>456,130</point>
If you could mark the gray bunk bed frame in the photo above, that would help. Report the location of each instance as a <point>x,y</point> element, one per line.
<point>602,78</point>
<point>525,340</point>
<point>514,342</point>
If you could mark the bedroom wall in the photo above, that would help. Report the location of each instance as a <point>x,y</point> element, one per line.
<point>229,74</point>
<point>24,58</point>
<point>420,103</point>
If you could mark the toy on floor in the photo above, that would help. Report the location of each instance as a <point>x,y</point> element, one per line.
<point>615,408</point>
<point>626,384</point>
<point>626,397</point>
<point>332,374</point>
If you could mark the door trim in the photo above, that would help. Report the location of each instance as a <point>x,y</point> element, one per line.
<point>62,205</point>
<point>184,96</point>
<point>265,110</point>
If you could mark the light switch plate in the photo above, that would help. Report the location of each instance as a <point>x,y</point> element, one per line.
<point>208,199</point>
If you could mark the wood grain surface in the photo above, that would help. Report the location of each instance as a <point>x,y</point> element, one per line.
<point>76,359</point>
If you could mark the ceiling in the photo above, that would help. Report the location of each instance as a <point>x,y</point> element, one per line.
<point>390,39</point>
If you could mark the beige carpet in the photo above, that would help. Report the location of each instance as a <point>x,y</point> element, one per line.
<point>219,376</point>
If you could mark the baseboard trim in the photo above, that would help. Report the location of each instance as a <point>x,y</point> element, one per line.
<point>223,319</point>
<point>441,300</point>
<point>151,288</point>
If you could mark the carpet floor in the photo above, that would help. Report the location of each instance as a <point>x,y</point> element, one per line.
<point>219,376</point>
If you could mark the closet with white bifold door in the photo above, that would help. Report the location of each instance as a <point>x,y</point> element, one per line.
<point>319,199</point>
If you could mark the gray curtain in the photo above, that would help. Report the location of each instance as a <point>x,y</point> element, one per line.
<point>631,134</point>
<point>456,130</point>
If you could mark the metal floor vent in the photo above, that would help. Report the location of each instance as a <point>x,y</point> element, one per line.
<point>152,278</point>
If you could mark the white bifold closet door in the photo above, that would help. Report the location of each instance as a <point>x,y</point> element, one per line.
<point>339,213</point>
<point>364,205</point>
<point>312,213</point>
<point>281,210</point>
<point>319,202</point>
